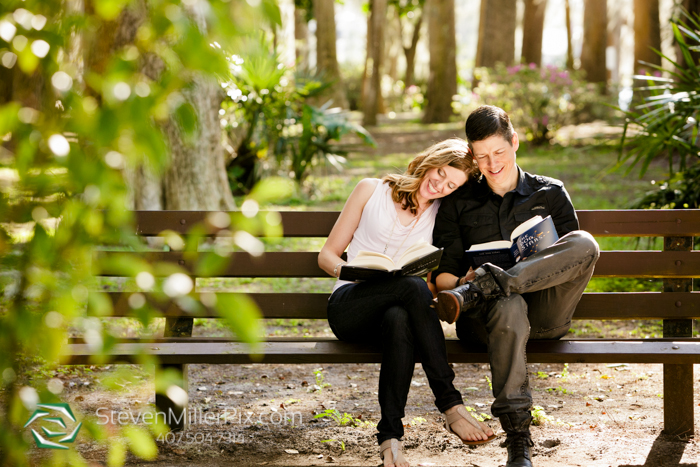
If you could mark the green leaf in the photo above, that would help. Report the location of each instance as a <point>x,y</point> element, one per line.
<point>166,377</point>
<point>99,304</point>
<point>241,315</point>
<point>9,118</point>
<point>186,117</point>
<point>272,189</point>
<point>120,264</point>
<point>211,264</point>
<point>141,442</point>
<point>117,453</point>
<point>27,61</point>
<point>272,11</point>
<point>109,9</point>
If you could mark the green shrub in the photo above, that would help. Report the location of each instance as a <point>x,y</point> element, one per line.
<point>269,117</point>
<point>682,191</point>
<point>665,125</point>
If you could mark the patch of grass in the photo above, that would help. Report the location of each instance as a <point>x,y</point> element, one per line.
<point>342,443</point>
<point>586,173</point>
<point>561,390</point>
<point>616,329</point>
<point>341,419</point>
<point>539,416</point>
<point>320,380</point>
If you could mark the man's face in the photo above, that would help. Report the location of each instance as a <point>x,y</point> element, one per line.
<point>495,158</point>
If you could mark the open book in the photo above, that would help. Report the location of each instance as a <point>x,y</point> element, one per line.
<point>528,238</point>
<point>418,259</point>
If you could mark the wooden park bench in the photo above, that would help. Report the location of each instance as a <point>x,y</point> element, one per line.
<point>677,305</point>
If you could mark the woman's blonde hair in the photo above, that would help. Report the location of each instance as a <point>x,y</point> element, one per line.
<point>453,152</point>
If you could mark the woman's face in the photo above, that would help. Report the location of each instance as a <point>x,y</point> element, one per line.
<point>440,182</point>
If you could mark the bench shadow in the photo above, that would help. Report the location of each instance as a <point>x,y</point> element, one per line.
<point>667,451</point>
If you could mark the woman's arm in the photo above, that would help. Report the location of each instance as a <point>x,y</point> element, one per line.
<point>345,226</point>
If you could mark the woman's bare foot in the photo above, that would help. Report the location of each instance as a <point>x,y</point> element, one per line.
<point>388,455</point>
<point>468,431</point>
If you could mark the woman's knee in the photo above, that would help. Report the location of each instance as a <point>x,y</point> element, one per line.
<point>396,321</point>
<point>412,289</point>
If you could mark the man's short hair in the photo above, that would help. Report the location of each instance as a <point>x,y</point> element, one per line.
<point>487,121</point>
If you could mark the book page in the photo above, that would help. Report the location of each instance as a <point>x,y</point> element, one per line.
<point>373,260</point>
<point>414,252</point>
<point>497,245</point>
<point>525,226</point>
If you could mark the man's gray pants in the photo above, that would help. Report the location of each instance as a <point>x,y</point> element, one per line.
<point>541,294</point>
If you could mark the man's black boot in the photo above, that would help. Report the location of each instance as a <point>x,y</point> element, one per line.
<point>518,440</point>
<point>450,303</point>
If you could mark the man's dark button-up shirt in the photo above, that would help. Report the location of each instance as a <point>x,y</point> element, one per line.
<point>475,214</point>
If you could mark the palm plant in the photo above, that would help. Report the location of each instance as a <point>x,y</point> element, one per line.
<point>665,124</point>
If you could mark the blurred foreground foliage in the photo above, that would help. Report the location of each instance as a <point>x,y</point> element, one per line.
<point>70,128</point>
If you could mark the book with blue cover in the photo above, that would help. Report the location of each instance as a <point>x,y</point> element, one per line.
<point>528,238</point>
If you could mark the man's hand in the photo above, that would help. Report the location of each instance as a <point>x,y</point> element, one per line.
<point>447,281</point>
<point>470,276</point>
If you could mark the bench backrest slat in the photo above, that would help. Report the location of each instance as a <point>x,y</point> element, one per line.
<point>627,305</point>
<point>672,264</point>
<point>616,223</point>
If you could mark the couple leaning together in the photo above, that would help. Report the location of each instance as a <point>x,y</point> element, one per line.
<point>458,194</point>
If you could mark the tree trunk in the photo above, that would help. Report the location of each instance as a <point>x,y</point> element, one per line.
<point>569,47</point>
<point>375,51</point>
<point>595,33</point>
<point>647,34</point>
<point>533,28</point>
<point>301,39</point>
<point>618,16</point>
<point>442,82</point>
<point>410,51</point>
<point>326,60</point>
<point>367,73</point>
<point>496,33</point>
<point>393,45</point>
<point>196,178</point>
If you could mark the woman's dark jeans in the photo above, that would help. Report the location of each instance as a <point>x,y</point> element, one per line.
<point>397,314</point>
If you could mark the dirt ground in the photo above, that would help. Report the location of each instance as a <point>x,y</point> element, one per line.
<point>264,414</point>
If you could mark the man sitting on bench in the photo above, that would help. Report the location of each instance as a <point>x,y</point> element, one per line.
<point>536,298</point>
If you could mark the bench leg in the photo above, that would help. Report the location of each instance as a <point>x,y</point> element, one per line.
<point>176,415</point>
<point>679,409</point>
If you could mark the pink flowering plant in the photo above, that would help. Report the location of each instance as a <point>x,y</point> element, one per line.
<point>538,100</point>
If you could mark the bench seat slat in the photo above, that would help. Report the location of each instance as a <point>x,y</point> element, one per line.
<point>651,264</point>
<point>608,305</point>
<point>619,223</point>
<point>330,351</point>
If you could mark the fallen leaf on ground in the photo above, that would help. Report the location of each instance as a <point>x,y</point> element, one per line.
<point>291,451</point>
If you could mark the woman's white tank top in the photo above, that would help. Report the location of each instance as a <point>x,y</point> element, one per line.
<point>379,217</point>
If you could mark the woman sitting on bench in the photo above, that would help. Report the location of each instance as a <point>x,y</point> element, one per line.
<point>388,216</point>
